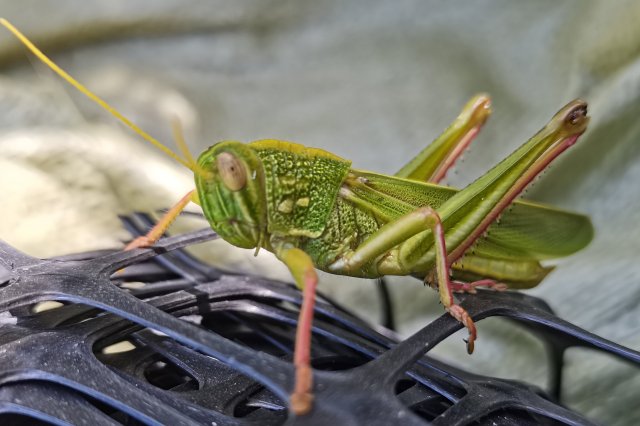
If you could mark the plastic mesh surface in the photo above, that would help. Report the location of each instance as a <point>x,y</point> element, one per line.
<point>201,346</point>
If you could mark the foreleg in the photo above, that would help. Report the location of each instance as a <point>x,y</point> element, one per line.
<point>306,278</point>
<point>163,224</point>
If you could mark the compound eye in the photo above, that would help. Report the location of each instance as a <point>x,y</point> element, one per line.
<point>231,171</point>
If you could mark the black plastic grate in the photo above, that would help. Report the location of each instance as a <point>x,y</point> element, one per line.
<point>207,347</point>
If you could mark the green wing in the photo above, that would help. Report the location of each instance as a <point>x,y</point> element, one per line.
<point>526,231</point>
<point>535,231</point>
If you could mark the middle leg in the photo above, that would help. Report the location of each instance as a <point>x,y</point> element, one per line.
<point>470,287</point>
<point>395,233</point>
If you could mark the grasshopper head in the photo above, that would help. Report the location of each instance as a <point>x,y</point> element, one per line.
<point>230,186</point>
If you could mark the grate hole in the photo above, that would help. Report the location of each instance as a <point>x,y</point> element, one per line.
<point>404,385</point>
<point>337,363</point>
<point>420,399</point>
<point>117,415</point>
<point>21,420</point>
<point>118,347</point>
<point>263,405</point>
<point>432,407</point>
<point>45,306</point>
<point>166,375</point>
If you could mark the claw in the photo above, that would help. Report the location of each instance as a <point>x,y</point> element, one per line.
<point>459,313</point>
<point>470,345</point>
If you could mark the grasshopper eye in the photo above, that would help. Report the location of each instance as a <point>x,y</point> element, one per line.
<point>231,171</point>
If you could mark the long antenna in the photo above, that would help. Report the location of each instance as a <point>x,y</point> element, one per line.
<point>62,73</point>
<point>178,137</point>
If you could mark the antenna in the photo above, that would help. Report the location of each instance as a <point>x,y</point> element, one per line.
<point>178,137</point>
<point>62,73</point>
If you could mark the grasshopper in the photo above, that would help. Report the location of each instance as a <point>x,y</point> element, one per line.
<point>314,211</point>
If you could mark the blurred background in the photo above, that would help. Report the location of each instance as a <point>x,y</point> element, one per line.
<point>372,81</point>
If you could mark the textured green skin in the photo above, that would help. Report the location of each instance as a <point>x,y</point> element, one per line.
<point>292,177</point>
<point>346,228</point>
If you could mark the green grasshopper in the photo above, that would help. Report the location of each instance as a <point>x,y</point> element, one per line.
<point>313,210</point>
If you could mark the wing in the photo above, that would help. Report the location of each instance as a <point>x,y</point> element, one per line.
<point>535,231</point>
<point>526,231</point>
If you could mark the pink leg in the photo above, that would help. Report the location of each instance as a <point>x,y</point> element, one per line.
<point>463,287</point>
<point>445,285</point>
<point>304,273</point>
<point>302,397</point>
<point>459,313</point>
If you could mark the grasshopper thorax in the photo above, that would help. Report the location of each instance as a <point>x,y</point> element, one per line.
<point>229,180</point>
